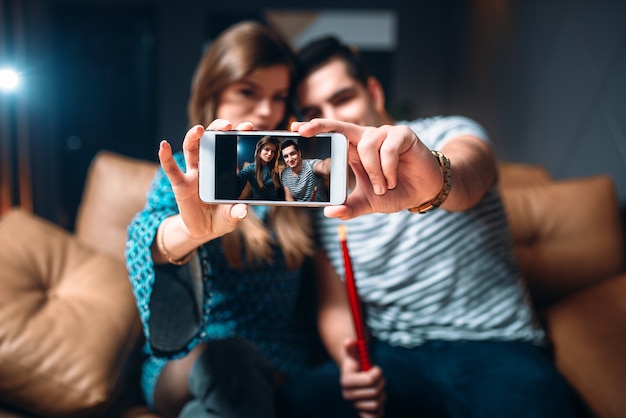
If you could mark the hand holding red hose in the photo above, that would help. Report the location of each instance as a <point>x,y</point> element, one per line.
<point>353,298</point>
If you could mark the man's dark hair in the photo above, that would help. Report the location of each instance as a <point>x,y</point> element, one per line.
<point>320,51</point>
<point>289,143</point>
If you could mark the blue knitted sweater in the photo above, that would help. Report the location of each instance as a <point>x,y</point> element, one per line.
<point>206,299</point>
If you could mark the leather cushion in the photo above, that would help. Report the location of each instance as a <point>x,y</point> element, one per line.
<point>513,174</point>
<point>567,234</point>
<point>115,191</point>
<point>587,331</point>
<point>68,319</point>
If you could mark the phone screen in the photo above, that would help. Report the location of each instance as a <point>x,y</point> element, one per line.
<point>273,167</point>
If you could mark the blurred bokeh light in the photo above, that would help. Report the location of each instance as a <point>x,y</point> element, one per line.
<point>9,79</point>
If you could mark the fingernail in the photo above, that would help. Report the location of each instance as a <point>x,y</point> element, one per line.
<point>240,212</point>
<point>378,189</point>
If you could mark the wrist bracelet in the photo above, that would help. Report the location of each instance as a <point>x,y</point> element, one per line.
<point>163,249</point>
<point>444,164</point>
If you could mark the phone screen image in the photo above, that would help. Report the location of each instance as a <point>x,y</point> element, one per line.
<point>273,167</point>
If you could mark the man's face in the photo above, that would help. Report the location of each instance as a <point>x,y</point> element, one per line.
<point>291,156</point>
<point>330,92</point>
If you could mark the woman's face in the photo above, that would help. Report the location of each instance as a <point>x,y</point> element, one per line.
<point>267,153</point>
<point>260,98</point>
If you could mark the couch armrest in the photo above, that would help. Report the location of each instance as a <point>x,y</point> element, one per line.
<point>567,234</point>
<point>115,190</point>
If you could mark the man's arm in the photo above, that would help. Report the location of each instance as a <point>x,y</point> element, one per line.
<point>395,170</point>
<point>334,318</point>
<point>322,167</point>
<point>288,196</point>
<point>474,171</point>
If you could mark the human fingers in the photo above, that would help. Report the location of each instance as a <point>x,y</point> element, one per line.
<point>220,125</point>
<point>368,150</point>
<point>342,212</point>
<point>295,125</point>
<point>239,211</point>
<point>214,221</point>
<point>373,413</point>
<point>380,151</point>
<point>362,200</point>
<point>316,126</point>
<point>399,142</point>
<point>171,169</point>
<point>374,393</point>
<point>367,384</point>
<point>350,361</point>
<point>377,414</point>
<point>373,408</point>
<point>366,390</point>
<point>191,147</point>
<point>245,126</point>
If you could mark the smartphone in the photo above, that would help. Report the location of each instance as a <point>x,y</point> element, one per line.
<point>311,173</point>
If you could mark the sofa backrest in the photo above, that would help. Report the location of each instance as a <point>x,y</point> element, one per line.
<point>115,190</point>
<point>567,233</point>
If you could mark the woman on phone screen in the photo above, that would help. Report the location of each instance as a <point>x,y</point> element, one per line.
<point>263,175</point>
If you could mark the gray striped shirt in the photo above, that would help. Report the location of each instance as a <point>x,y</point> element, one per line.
<point>308,186</point>
<point>440,276</point>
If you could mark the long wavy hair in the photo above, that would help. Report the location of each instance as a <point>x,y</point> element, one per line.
<point>241,49</point>
<point>258,169</point>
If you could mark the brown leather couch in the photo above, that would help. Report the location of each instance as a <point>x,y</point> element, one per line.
<point>70,333</point>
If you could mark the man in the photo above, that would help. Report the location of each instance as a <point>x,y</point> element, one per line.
<point>451,330</point>
<point>303,180</point>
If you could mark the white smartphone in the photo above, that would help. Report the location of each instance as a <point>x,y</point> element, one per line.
<point>313,172</point>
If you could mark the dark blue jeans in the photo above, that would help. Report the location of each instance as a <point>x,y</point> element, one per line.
<point>447,379</point>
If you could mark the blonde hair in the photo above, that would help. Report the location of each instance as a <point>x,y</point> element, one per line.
<point>236,53</point>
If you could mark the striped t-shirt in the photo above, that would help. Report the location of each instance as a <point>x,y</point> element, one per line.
<point>439,276</point>
<point>308,186</point>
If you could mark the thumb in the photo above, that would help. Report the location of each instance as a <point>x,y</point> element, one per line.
<point>351,357</point>
<point>239,211</point>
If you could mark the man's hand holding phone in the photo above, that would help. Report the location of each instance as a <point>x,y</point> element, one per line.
<point>393,170</point>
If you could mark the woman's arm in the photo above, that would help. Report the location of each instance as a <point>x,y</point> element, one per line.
<point>197,222</point>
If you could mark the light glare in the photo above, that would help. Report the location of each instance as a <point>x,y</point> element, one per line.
<point>9,79</point>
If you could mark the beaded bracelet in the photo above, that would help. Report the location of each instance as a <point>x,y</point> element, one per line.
<point>444,164</point>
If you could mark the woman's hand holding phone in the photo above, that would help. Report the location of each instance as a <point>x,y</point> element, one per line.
<point>202,222</point>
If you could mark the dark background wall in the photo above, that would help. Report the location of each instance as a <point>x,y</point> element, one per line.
<point>544,77</point>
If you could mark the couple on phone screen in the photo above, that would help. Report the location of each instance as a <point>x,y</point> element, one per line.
<point>303,180</point>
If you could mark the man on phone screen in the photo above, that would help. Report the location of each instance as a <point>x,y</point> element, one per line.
<point>304,180</point>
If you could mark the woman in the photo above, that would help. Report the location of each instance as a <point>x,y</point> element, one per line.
<point>216,285</point>
<point>263,174</point>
